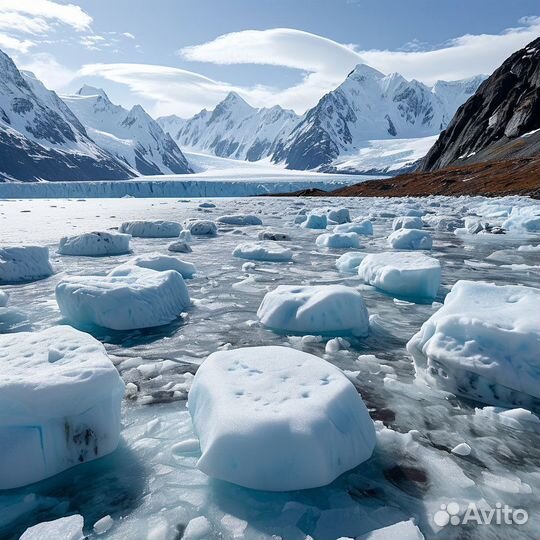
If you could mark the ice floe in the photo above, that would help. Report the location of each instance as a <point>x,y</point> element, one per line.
<point>24,263</point>
<point>95,244</point>
<point>60,401</point>
<point>407,222</point>
<point>404,274</point>
<point>277,419</point>
<point>240,220</point>
<point>158,262</point>
<point>349,262</point>
<point>201,227</point>
<point>363,226</point>
<point>483,344</point>
<point>151,229</point>
<point>66,528</point>
<point>410,239</point>
<point>263,251</point>
<point>330,310</point>
<point>315,220</point>
<point>130,299</point>
<point>340,240</point>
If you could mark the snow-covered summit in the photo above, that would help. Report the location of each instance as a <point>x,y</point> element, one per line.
<point>133,136</point>
<point>233,129</point>
<point>41,138</point>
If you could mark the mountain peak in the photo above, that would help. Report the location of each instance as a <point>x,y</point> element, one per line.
<point>235,100</point>
<point>87,90</point>
<point>362,71</point>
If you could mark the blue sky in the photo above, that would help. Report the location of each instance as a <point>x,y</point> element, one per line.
<point>178,56</point>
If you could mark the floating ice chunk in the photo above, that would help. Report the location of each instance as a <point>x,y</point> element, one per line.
<point>315,220</point>
<point>101,526</point>
<point>514,418</point>
<point>275,236</point>
<point>138,298</point>
<point>207,205</point>
<point>3,299</point>
<point>410,239</point>
<point>364,227</point>
<point>239,219</point>
<point>349,262</point>
<point>19,264</point>
<point>185,236</point>
<point>331,310</point>
<point>338,240</point>
<point>263,251</point>
<point>95,244</point>
<point>462,449</point>
<point>483,344</point>
<point>403,530</point>
<point>407,222</point>
<point>66,528</point>
<point>60,399</point>
<point>407,275</point>
<point>522,223</point>
<point>443,223</point>
<point>198,528</point>
<point>159,263</point>
<point>277,419</point>
<point>151,229</point>
<point>338,215</point>
<point>180,246</point>
<point>201,227</point>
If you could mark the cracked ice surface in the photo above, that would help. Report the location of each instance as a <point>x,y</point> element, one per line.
<point>151,487</point>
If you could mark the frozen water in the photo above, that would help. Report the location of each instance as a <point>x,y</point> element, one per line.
<point>3,299</point>
<point>340,240</point>
<point>60,401</point>
<point>364,226</point>
<point>349,262</point>
<point>200,227</point>
<point>179,246</point>
<point>24,263</point>
<point>277,419</point>
<point>129,298</point>
<point>407,222</point>
<point>275,236</point>
<point>328,309</point>
<point>410,239</point>
<point>403,530</point>
<point>338,215</point>
<point>407,275</point>
<point>263,251</point>
<point>315,220</point>
<point>483,344</point>
<point>68,528</point>
<point>151,229</point>
<point>240,219</point>
<point>151,486</point>
<point>95,244</point>
<point>158,262</point>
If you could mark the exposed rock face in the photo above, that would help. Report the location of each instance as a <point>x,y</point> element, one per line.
<point>499,120</point>
<point>41,138</point>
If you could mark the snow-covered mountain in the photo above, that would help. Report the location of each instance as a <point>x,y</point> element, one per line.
<point>41,139</point>
<point>133,136</point>
<point>233,129</point>
<point>371,106</point>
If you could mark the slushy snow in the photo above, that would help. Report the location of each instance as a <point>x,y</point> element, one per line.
<point>19,264</point>
<point>151,229</point>
<point>95,244</point>
<point>159,263</point>
<point>131,298</point>
<point>277,419</point>
<point>410,239</point>
<point>60,401</point>
<point>483,344</point>
<point>340,240</point>
<point>330,310</point>
<point>263,251</point>
<point>407,275</point>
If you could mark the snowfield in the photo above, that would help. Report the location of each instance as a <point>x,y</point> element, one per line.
<point>436,439</point>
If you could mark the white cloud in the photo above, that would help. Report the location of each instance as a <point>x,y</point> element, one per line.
<point>13,44</point>
<point>48,70</point>
<point>323,64</point>
<point>68,14</point>
<point>128,35</point>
